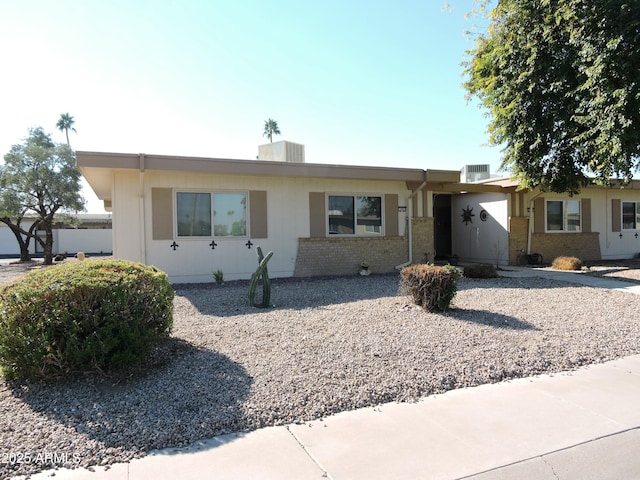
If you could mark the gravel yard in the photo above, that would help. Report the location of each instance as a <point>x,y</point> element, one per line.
<point>328,345</point>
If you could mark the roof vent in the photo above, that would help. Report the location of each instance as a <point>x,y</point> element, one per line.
<point>475,173</point>
<point>282,151</point>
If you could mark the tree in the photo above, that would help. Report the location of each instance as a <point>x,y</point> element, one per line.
<point>65,123</point>
<point>271,129</point>
<point>39,178</point>
<point>560,79</point>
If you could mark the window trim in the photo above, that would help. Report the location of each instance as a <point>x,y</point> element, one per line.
<point>355,196</point>
<point>211,194</point>
<point>564,216</point>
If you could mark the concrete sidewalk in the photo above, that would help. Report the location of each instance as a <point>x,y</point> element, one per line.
<point>578,277</point>
<point>579,425</point>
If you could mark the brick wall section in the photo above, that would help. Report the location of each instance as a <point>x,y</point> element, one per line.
<point>518,232</point>
<point>585,246</point>
<point>423,238</point>
<point>342,256</point>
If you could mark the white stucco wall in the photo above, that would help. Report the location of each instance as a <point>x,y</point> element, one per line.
<point>194,260</point>
<point>127,231</point>
<point>481,241</point>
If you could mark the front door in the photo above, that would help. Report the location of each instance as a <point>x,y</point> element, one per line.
<point>442,229</point>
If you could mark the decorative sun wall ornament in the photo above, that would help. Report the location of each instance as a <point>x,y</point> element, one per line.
<point>467,214</point>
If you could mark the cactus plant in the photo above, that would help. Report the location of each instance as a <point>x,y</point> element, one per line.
<point>263,273</point>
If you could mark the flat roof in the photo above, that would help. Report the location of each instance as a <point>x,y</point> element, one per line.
<point>98,168</point>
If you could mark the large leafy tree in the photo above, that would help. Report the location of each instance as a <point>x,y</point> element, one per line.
<point>271,129</point>
<point>561,82</point>
<point>65,123</point>
<point>39,178</point>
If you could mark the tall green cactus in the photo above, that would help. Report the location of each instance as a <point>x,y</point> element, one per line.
<point>266,282</point>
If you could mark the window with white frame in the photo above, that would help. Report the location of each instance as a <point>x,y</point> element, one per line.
<point>563,216</point>
<point>206,214</point>
<point>355,215</point>
<point>630,215</point>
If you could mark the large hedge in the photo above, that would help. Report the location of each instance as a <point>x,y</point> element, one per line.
<point>99,315</point>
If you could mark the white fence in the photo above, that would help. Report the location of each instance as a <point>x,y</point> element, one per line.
<point>67,241</point>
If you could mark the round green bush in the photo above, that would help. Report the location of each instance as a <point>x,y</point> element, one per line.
<point>99,315</point>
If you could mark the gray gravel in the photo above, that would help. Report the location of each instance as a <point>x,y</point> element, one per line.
<point>327,346</point>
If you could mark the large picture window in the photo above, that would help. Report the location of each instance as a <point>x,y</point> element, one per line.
<point>563,216</point>
<point>219,214</point>
<point>630,215</point>
<point>355,215</point>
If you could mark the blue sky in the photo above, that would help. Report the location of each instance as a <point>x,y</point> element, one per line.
<point>357,82</point>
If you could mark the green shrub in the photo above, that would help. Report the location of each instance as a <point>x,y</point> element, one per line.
<point>567,263</point>
<point>218,276</point>
<point>480,270</point>
<point>99,315</point>
<point>430,286</point>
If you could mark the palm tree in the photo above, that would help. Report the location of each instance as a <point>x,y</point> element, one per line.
<point>65,124</point>
<point>271,129</point>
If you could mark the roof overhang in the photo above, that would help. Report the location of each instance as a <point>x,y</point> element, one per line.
<point>99,168</point>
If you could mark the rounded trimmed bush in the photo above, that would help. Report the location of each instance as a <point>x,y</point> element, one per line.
<point>98,315</point>
<point>567,263</point>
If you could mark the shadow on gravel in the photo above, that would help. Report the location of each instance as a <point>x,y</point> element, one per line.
<point>490,319</point>
<point>512,282</point>
<point>232,298</point>
<point>181,394</point>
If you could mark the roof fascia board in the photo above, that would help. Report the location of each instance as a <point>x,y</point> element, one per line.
<point>244,167</point>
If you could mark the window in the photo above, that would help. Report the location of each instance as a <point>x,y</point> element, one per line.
<point>355,215</point>
<point>369,215</point>
<point>630,215</point>
<point>195,219</point>
<point>230,214</point>
<point>194,214</point>
<point>563,216</point>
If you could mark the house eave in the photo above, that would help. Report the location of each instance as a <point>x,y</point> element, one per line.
<point>243,167</point>
<point>99,167</point>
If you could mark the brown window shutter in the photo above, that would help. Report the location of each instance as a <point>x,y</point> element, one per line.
<point>317,215</point>
<point>162,213</point>
<point>616,214</point>
<point>586,214</point>
<point>258,214</point>
<point>538,215</point>
<point>391,215</point>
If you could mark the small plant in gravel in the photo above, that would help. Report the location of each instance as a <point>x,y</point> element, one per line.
<point>480,270</point>
<point>99,315</point>
<point>567,263</point>
<point>218,276</point>
<point>430,286</point>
